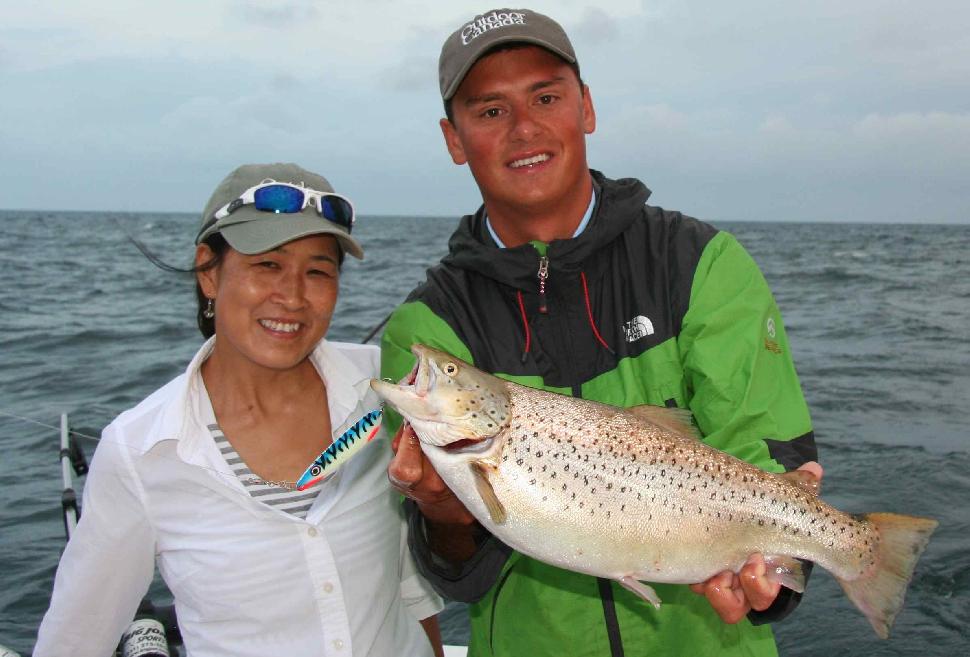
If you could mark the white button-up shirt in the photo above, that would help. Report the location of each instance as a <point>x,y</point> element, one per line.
<point>247,579</point>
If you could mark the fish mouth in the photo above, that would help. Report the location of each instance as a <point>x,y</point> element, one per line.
<point>469,446</point>
<point>421,377</point>
<point>409,396</point>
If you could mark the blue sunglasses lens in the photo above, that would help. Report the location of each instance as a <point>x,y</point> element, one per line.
<point>337,210</point>
<point>278,198</point>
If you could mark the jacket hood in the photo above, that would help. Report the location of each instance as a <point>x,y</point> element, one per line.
<point>618,204</point>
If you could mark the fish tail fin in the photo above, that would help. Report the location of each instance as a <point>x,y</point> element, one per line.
<point>879,593</point>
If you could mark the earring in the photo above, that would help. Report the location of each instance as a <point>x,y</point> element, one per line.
<point>209,311</point>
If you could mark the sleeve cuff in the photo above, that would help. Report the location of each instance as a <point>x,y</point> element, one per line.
<point>784,604</point>
<point>466,582</point>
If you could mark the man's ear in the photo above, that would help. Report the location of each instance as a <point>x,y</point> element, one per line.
<point>209,278</point>
<point>453,142</point>
<point>589,113</point>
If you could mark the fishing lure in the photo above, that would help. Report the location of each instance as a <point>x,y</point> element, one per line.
<point>342,449</point>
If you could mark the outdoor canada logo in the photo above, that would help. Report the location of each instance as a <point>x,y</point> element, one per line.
<point>638,327</point>
<point>483,24</point>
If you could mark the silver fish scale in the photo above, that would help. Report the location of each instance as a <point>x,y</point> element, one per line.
<point>633,483</point>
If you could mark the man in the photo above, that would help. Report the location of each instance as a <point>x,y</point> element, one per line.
<point>566,280</point>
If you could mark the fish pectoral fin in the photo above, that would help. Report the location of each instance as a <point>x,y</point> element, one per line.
<point>640,589</point>
<point>804,480</point>
<point>785,570</point>
<point>678,420</point>
<point>480,472</point>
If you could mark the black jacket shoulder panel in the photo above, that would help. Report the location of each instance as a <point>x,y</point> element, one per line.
<point>631,271</point>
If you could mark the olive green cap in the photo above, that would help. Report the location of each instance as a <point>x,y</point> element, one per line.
<point>251,231</point>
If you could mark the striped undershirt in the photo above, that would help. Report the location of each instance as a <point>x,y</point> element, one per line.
<point>294,502</point>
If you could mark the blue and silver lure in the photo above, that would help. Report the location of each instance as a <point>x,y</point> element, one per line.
<point>342,449</point>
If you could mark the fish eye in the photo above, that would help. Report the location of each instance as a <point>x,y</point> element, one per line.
<point>450,369</point>
<point>316,470</point>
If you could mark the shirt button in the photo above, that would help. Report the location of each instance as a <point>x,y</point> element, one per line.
<point>327,587</point>
<point>312,531</point>
<point>338,644</point>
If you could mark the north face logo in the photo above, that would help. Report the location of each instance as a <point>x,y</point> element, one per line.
<point>638,327</point>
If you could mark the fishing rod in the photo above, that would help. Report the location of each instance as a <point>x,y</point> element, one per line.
<point>377,328</point>
<point>153,632</point>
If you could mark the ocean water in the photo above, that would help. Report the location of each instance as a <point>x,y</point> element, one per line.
<point>878,316</point>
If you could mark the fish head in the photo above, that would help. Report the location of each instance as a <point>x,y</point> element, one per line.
<point>450,403</point>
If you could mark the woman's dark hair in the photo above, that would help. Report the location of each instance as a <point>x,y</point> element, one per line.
<point>219,246</point>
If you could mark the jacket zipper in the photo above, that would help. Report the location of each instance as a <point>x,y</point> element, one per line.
<point>543,275</point>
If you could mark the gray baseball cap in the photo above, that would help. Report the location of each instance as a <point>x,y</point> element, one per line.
<point>251,231</point>
<point>486,31</point>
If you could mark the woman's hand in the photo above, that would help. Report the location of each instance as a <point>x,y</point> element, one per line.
<point>412,474</point>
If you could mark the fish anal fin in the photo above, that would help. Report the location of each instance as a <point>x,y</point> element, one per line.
<point>640,589</point>
<point>480,472</point>
<point>804,480</point>
<point>785,570</point>
<point>678,420</point>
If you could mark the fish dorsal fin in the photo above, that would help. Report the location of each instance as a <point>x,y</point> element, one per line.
<point>675,419</point>
<point>480,471</point>
<point>804,480</point>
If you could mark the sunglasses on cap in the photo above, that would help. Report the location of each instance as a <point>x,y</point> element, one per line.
<point>286,198</point>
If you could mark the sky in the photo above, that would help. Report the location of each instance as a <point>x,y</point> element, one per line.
<point>830,110</point>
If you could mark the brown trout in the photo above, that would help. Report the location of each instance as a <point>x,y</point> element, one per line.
<point>634,495</point>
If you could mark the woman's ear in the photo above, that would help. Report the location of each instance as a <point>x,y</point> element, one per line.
<point>208,278</point>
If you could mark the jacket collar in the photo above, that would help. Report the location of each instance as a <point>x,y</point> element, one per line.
<point>618,204</point>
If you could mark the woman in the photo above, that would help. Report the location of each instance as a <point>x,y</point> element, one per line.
<point>200,476</point>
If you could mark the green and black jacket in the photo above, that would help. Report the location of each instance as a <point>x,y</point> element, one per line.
<point>645,306</point>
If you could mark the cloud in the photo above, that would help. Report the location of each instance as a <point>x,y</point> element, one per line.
<point>412,74</point>
<point>894,167</point>
<point>595,27</point>
<point>735,109</point>
<point>274,14</point>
